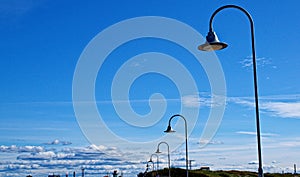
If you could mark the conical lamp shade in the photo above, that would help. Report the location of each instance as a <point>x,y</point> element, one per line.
<point>169,130</point>
<point>212,43</point>
<point>157,151</point>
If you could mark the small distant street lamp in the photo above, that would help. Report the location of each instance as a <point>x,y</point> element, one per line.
<point>213,43</point>
<point>190,162</point>
<point>152,165</point>
<point>156,160</point>
<point>170,130</point>
<point>82,172</point>
<point>157,151</point>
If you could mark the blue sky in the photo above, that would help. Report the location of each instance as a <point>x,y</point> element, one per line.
<point>43,42</point>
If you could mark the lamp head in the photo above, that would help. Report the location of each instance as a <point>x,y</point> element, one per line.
<point>150,160</point>
<point>212,43</point>
<point>157,151</point>
<point>169,129</point>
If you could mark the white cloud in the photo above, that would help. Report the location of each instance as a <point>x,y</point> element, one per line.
<point>16,149</point>
<point>283,109</point>
<point>41,161</point>
<point>58,142</point>
<point>260,61</point>
<point>287,107</point>
<point>99,160</point>
<point>254,133</point>
<point>191,101</point>
<point>203,99</point>
<point>38,156</point>
<point>253,162</point>
<point>215,142</point>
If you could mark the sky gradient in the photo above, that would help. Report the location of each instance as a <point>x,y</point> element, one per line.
<point>43,42</point>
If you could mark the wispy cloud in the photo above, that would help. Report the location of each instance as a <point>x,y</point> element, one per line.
<point>214,142</point>
<point>254,133</point>
<point>58,142</point>
<point>192,100</point>
<point>260,61</point>
<point>283,106</point>
<point>21,149</point>
<point>283,109</point>
<point>203,99</point>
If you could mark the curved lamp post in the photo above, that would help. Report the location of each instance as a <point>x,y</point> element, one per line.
<point>212,43</point>
<point>152,165</point>
<point>157,151</point>
<point>169,130</point>
<point>156,160</point>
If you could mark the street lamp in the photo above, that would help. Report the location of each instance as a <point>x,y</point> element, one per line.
<point>169,130</point>
<point>212,43</point>
<point>152,165</point>
<point>156,160</point>
<point>157,151</point>
<point>190,162</point>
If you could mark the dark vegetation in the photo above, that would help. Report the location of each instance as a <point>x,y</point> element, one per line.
<point>178,172</point>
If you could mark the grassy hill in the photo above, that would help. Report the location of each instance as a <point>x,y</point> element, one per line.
<point>178,172</point>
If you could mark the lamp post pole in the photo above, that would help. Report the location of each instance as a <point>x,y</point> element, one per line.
<point>213,44</point>
<point>152,165</point>
<point>169,129</point>
<point>169,162</point>
<point>156,160</point>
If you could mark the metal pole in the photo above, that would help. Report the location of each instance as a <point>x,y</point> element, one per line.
<point>169,162</point>
<point>260,169</point>
<point>186,142</point>
<point>157,166</point>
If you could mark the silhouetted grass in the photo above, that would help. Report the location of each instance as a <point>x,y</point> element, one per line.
<point>178,172</point>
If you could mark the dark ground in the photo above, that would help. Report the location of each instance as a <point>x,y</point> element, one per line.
<point>177,172</point>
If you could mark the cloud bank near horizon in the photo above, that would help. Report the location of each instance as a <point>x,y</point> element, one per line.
<point>219,155</point>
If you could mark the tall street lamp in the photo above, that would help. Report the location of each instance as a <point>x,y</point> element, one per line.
<point>158,151</point>
<point>169,130</point>
<point>212,43</point>
<point>156,160</point>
